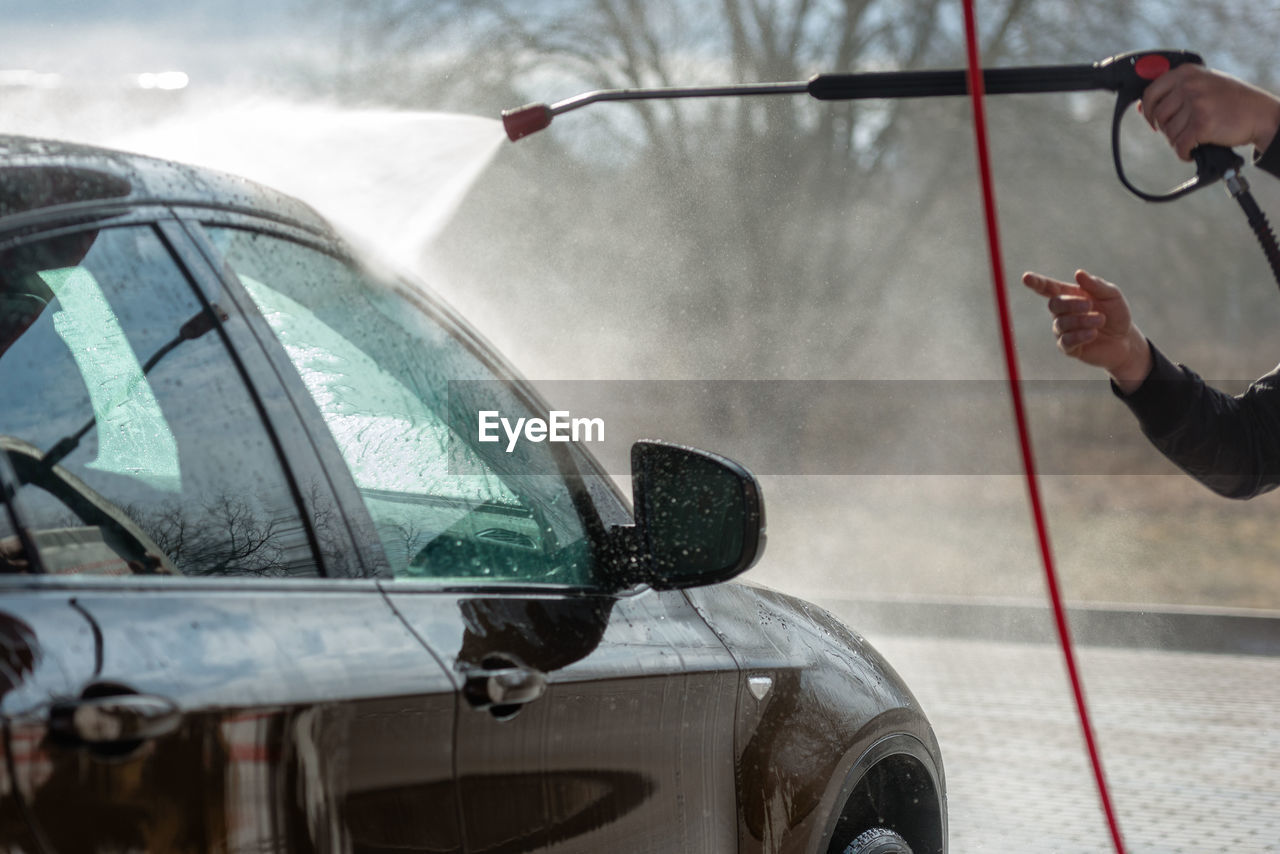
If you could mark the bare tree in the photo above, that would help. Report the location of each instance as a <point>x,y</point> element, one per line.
<point>223,536</point>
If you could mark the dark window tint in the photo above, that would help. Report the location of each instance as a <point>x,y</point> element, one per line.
<point>380,371</point>
<point>137,445</point>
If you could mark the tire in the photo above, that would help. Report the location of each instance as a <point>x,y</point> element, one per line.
<point>878,841</point>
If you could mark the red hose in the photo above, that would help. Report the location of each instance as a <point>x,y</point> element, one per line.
<point>1024,433</point>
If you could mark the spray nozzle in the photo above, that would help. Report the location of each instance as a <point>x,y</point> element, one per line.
<point>532,118</point>
<point>525,120</point>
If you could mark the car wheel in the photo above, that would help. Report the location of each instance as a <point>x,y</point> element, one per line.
<point>878,841</point>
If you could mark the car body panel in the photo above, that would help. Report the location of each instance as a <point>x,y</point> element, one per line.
<point>48,652</point>
<point>314,719</point>
<point>630,747</point>
<point>50,179</point>
<point>830,699</point>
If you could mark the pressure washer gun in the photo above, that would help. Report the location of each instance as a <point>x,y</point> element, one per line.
<point>1127,74</point>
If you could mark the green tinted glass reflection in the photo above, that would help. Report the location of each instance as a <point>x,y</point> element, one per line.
<point>378,368</point>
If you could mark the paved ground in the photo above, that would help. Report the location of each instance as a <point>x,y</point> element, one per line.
<point>1190,742</point>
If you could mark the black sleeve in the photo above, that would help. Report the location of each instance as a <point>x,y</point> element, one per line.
<point>1230,444</point>
<point>1269,160</point>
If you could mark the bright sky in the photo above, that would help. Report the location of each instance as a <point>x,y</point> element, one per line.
<point>213,41</point>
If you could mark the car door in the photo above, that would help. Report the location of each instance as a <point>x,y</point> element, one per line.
<point>201,661</point>
<point>590,717</point>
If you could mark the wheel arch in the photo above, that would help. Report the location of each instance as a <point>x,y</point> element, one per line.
<point>895,783</point>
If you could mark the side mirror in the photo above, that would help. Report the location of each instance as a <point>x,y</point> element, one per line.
<point>699,516</point>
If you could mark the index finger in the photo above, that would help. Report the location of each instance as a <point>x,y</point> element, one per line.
<point>1048,288</point>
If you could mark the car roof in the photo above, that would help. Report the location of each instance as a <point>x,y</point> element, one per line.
<point>38,176</point>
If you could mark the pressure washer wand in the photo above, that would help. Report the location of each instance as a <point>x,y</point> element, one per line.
<point>1130,71</point>
<point>1126,74</point>
<point>532,118</point>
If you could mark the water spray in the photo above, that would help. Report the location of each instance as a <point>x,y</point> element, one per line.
<point>1126,74</point>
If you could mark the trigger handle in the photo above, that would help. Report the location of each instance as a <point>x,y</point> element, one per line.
<point>1133,73</point>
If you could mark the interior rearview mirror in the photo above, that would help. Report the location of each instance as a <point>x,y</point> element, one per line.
<point>699,516</point>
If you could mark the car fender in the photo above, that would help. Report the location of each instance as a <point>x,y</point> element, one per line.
<point>815,699</point>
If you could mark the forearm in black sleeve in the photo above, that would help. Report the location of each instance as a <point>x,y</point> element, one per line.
<point>1230,444</point>
<point>1269,160</point>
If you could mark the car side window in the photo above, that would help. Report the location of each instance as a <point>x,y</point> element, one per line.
<point>137,447</point>
<point>384,375</point>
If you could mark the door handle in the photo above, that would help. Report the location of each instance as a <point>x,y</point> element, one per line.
<point>114,719</point>
<point>501,682</point>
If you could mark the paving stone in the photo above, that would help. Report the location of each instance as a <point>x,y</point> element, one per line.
<point>1190,745</point>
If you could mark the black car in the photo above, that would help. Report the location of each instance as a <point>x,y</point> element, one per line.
<point>263,589</point>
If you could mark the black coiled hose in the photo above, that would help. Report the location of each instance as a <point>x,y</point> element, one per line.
<point>1262,228</point>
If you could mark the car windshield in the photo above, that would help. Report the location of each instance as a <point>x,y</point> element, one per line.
<point>393,385</point>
